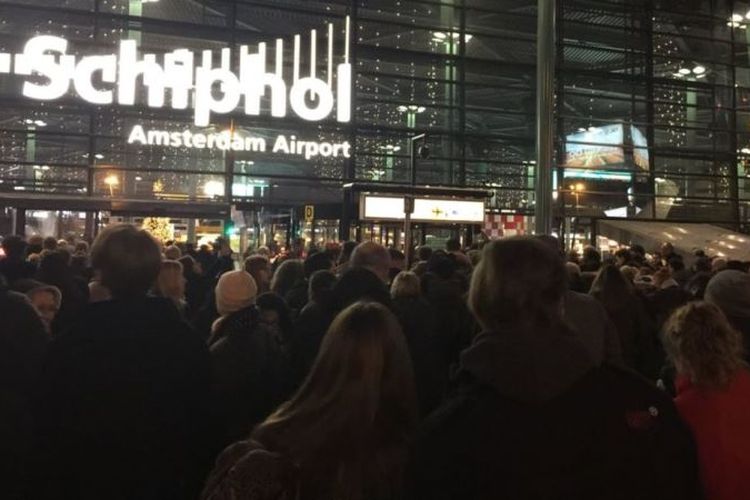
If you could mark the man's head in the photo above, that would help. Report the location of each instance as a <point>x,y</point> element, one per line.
<point>424,253</point>
<point>453,245</point>
<point>259,268</point>
<point>128,260</point>
<point>369,255</point>
<point>14,247</point>
<point>667,250</point>
<point>730,291</point>
<point>172,252</point>
<point>50,243</point>
<point>319,261</point>
<point>398,259</point>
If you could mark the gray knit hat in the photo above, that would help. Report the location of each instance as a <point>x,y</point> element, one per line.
<point>730,292</point>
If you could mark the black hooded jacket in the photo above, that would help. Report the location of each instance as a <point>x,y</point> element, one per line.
<point>535,418</point>
<point>124,409</point>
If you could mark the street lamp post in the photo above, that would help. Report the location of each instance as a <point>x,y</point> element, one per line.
<point>409,198</point>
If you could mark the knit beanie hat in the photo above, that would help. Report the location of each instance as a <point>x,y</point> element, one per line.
<point>235,290</point>
<point>730,292</point>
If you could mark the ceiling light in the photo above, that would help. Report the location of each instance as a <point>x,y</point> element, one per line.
<point>138,178</point>
<point>736,17</point>
<point>99,156</point>
<point>439,35</point>
<point>684,71</point>
<point>699,70</point>
<point>701,76</point>
<point>747,15</point>
<point>40,123</point>
<point>45,167</point>
<point>581,129</point>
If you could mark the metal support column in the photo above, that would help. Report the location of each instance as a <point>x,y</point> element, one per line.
<point>545,94</point>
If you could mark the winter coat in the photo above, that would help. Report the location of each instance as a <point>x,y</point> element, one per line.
<point>720,421</point>
<point>296,298</point>
<point>309,329</point>
<point>636,336</point>
<point>429,358</point>
<point>23,343</point>
<point>249,373</point>
<point>124,407</point>
<point>358,283</point>
<point>15,269</point>
<point>535,419</point>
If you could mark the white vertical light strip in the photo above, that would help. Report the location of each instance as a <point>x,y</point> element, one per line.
<point>296,58</point>
<point>313,52</point>
<point>262,54</point>
<point>226,59</point>
<point>207,59</point>
<point>279,57</point>
<point>330,55</point>
<point>346,40</point>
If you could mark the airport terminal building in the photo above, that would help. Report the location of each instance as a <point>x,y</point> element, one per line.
<point>278,119</point>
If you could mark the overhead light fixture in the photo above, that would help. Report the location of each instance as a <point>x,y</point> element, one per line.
<point>45,167</point>
<point>138,178</point>
<point>684,71</point>
<point>111,180</point>
<point>699,70</point>
<point>99,156</point>
<point>40,123</point>
<point>747,15</point>
<point>700,76</point>
<point>737,17</point>
<point>581,129</point>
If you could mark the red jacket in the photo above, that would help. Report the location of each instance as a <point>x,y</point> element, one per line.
<point>720,421</point>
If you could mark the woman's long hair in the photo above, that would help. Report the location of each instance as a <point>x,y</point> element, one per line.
<point>703,345</point>
<point>612,289</point>
<point>349,424</point>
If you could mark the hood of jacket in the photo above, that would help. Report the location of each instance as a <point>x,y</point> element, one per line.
<point>528,364</point>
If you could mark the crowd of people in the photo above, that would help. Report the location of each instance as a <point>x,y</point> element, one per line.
<point>141,370</point>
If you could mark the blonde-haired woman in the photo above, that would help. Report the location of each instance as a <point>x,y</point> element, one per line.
<point>345,433</point>
<point>171,283</point>
<point>713,396</point>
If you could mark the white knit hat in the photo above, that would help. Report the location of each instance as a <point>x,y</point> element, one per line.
<point>235,290</point>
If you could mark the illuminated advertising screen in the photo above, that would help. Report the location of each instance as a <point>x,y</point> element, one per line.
<point>640,148</point>
<point>434,210</point>
<point>596,147</point>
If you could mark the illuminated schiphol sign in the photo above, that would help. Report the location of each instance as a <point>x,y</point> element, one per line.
<point>191,82</point>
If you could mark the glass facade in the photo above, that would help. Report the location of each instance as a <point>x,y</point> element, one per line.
<point>652,113</point>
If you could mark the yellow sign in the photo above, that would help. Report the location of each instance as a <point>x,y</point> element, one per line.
<point>309,213</point>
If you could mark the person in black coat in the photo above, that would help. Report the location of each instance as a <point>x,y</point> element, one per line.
<point>418,321</point>
<point>533,416</point>
<point>23,343</point>
<point>14,266</point>
<point>55,270</point>
<point>248,373</point>
<point>311,325</point>
<point>124,406</point>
